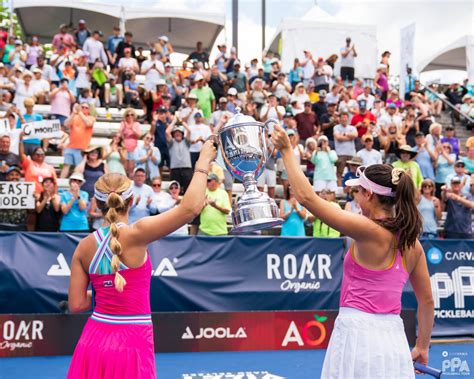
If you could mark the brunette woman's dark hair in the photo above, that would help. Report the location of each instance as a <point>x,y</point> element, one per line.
<point>406,220</point>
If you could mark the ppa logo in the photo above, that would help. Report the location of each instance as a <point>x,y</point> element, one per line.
<point>455,365</point>
<point>299,275</point>
<point>460,284</point>
<point>306,335</point>
<point>20,335</point>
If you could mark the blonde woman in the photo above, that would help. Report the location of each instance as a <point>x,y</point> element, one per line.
<point>117,341</point>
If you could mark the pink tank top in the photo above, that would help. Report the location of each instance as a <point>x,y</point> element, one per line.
<point>373,291</point>
<point>135,298</point>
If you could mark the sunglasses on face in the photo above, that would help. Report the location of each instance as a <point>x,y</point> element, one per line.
<point>173,187</point>
<point>156,185</point>
<point>427,186</point>
<point>129,115</point>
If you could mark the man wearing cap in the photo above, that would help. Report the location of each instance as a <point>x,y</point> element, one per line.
<point>217,206</point>
<point>238,80</point>
<point>164,48</point>
<point>63,40</point>
<point>40,86</point>
<point>348,54</point>
<point>82,33</point>
<point>13,219</point>
<point>390,117</point>
<point>153,70</point>
<point>95,48</point>
<point>363,120</point>
<point>205,96</point>
<point>460,174</point>
<point>187,114</point>
<point>8,158</point>
<point>367,97</point>
<point>458,223</point>
<point>306,122</point>
<point>178,138</point>
<point>320,107</point>
<point>47,72</point>
<point>200,132</point>
<point>368,154</point>
<point>406,155</point>
<point>272,109</point>
<point>74,204</point>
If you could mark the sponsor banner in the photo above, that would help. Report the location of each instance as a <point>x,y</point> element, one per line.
<point>57,334</point>
<point>248,274</point>
<point>42,129</point>
<point>17,195</point>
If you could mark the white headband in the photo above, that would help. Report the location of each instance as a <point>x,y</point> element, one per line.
<point>101,196</point>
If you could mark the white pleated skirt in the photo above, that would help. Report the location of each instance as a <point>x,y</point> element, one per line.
<point>367,346</point>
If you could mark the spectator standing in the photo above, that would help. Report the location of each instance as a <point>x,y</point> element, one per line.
<point>63,40</point>
<point>47,72</point>
<point>381,81</point>
<point>126,43</point>
<point>94,49</point>
<point>128,64</point>
<point>449,137</point>
<point>281,87</point>
<point>143,197</point>
<point>344,142</point>
<point>409,126</point>
<point>162,200</point>
<point>33,51</point>
<point>406,155</point>
<point>348,55</point>
<point>48,207</point>
<point>61,100</point>
<point>296,74</point>
<point>116,155</point>
<point>367,96</point>
<point>433,139</point>
<point>11,131</point>
<point>199,55</point>
<point>81,124</point>
<point>425,157</point>
<point>430,209</point>
<point>188,113</point>
<point>92,168</point>
<point>41,87</point>
<point>7,158</point>
<point>221,58</point>
<point>200,132</point>
<point>272,109</point>
<point>459,212</point>
<point>13,219</point>
<point>353,164</point>
<point>218,115</point>
<point>82,33</point>
<point>178,138</point>
<point>321,107</point>
<point>324,160</point>
<point>368,154</point>
<point>460,173</point>
<point>216,81</point>
<point>153,70</point>
<point>29,144</point>
<point>36,169</point>
<point>23,89</point>
<point>205,96</point>
<point>74,204</point>
<point>444,165</point>
<point>213,220</point>
<point>293,214</point>
<point>238,80</point>
<point>306,122</point>
<point>148,157</point>
<point>112,43</point>
<point>424,117</point>
<point>469,159</point>
<point>308,67</point>
<point>363,121</point>
<point>130,130</point>
<point>300,96</point>
<point>164,48</point>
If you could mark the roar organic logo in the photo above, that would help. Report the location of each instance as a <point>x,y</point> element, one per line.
<point>306,336</point>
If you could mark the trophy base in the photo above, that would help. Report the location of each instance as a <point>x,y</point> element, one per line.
<point>255,212</point>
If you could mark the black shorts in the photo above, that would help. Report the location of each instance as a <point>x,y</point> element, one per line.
<point>165,157</point>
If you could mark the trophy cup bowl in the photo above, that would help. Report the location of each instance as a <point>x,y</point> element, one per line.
<point>243,145</point>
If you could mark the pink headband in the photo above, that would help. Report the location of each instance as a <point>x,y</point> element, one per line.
<point>369,185</point>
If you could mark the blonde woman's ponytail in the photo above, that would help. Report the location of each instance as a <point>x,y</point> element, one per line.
<point>115,202</point>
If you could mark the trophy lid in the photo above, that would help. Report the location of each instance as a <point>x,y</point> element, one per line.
<point>239,118</point>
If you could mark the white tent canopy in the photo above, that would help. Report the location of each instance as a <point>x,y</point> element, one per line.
<point>323,36</point>
<point>184,27</point>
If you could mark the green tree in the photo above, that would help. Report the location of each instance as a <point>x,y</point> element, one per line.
<point>5,19</point>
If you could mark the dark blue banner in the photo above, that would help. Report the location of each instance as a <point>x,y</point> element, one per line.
<point>232,274</point>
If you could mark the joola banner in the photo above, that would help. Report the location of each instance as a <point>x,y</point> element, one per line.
<point>229,274</point>
<point>54,334</point>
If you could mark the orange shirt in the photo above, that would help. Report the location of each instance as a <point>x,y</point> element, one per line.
<point>36,172</point>
<point>80,136</point>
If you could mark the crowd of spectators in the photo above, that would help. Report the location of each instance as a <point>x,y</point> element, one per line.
<point>337,124</point>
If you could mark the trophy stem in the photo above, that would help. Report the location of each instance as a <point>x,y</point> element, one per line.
<point>249,182</point>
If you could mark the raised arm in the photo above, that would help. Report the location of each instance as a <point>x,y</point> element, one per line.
<point>149,229</point>
<point>355,226</point>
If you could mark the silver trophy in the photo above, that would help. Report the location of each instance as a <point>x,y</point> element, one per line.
<point>243,145</point>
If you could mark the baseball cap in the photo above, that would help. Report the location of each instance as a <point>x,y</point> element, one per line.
<point>14,168</point>
<point>197,114</point>
<point>419,134</point>
<point>198,77</point>
<point>82,21</point>
<point>163,38</point>
<point>290,132</point>
<point>288,114</point>
<point>232,91</point>
<point>18,42</point>
<point>460,162</point>
<point>455,179</point>
<point>323,138</point>
<point>212,176</point>
<point>152,51</point>
<point>139,169</point>
<point>162,110</point>
<point>392,106</point>
<point>362,104</point>
<point>178,128</point>
<point>322,93</point>
<point>223,100</point>
<point>77,176</point>
<point>192,96</point>
<point>236,62</point>
<point>161,82</point>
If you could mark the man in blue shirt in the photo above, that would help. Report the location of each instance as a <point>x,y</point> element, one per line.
<point>142,197</point>
<point>158,129</point>
<point>112,43</point>
<point>29,144</point>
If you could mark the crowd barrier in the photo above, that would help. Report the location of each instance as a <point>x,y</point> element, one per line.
<point>233,274</point>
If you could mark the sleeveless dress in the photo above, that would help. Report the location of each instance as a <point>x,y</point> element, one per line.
<point>117,340</point>
<point>368,340</point>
